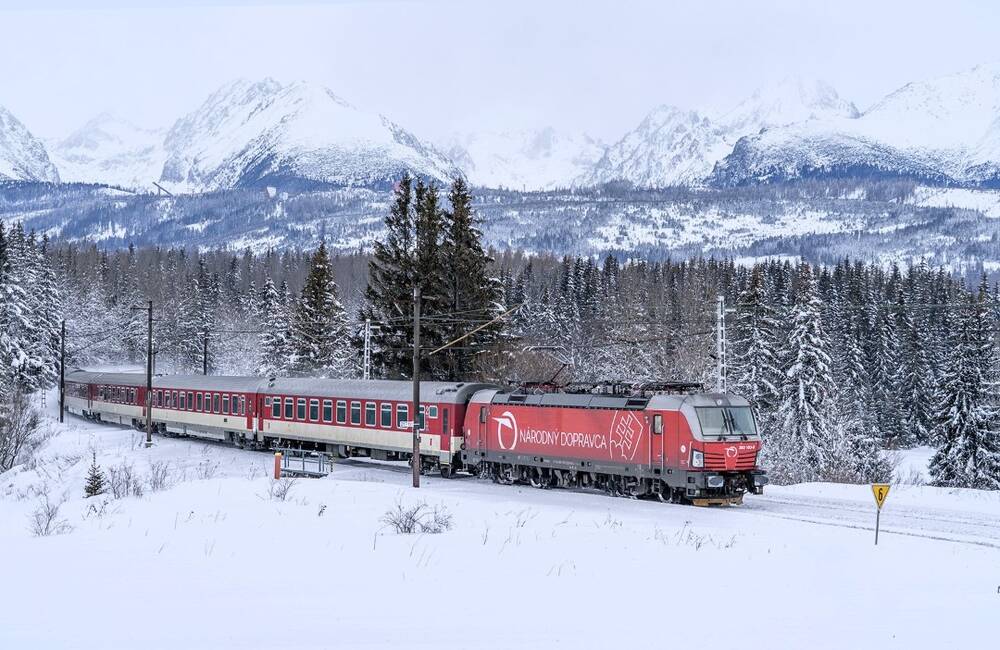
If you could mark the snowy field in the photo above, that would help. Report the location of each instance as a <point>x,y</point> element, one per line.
<point>212,560</point>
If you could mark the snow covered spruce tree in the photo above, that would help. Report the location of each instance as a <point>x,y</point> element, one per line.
<point>319,339</point>
<point>472,294</point>
<point>967,432</point>
<point>441,251</point>
<point>273,344</point>
<point>756,368</point>
<point>800,448</point>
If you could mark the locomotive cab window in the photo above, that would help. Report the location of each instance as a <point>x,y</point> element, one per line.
<point>657,423</point>
<point>718,422</point>
<point>313,410</point>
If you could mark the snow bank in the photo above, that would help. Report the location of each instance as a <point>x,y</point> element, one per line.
<point>213,562</point>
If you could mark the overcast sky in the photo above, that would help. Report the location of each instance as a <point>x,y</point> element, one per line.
<point>438,65</point>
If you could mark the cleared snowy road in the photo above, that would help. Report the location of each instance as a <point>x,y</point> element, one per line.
<point>930,522</point>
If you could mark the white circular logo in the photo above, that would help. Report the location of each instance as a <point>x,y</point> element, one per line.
<point>683,448</point>
<point>506,422</point>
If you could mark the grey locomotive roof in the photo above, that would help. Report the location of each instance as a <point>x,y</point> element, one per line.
<point>579,400</point>
<point>430,391</point>
<point>673,402</point>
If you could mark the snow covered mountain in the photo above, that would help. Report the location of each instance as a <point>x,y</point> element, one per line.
<point>112,151</point>
<point>669,147</point>
<point>944,130</point>
<point>677,147</point>
<point>792,100</point>
<point>22,155</point>
<point>256,133</point>
<point>528,159</point>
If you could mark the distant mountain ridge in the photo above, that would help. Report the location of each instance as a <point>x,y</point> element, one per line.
<point>302,136</point>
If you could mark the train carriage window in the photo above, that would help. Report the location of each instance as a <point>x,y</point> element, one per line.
<point>243,405</point>
<point>327,410</point>
<point>200,399</point>
<point>215,402</point>
<point>444,421</point>
<point>300,413</point>
<point>355,412</point>
<point>159,398</point>
<point>225,404</point>
<point>173,401</point>
<point>341,411</point>
<point>432,412</point>
<point>402,414</point>
<point>314,410</point>
<point>289,408</point>
<point>657,423</point>
<point>276,407</point>
<point>190,400</point>
<point>183,404</point>
<point>420,418</point>
<point>370,414</point>
<point>386,413</point>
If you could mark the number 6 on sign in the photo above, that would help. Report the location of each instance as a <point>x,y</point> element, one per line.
<point>881,491</point>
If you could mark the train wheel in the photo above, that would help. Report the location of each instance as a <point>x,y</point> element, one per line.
<point>446,471</point>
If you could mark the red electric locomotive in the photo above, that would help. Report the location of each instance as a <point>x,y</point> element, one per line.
<point>660,440</point>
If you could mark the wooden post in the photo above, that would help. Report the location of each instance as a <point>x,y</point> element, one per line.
<point>416,387</point>
<point>62,371</point>
<point>149,377</point>
<point>277,465</point>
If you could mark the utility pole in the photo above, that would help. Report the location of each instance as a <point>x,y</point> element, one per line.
<point>720,345</point>
<point>368,349</point>
<point>62,371</point>
<point>416,387</point>
<point>149,372</point>
<point>204,354</point>
<point>149,378</point>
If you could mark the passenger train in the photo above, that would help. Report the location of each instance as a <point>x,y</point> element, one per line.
<point>669,441</point>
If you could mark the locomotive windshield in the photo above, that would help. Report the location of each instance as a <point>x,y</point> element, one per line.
<point>719,421</point>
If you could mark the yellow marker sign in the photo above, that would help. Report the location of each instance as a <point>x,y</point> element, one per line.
<point>881,491</point>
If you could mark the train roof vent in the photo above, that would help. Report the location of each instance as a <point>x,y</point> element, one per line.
<point>636,402</point>
<point>517,397</point>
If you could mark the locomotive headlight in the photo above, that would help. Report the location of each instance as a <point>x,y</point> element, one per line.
<point>697,458</point>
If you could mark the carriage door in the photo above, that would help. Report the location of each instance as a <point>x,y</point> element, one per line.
<point>656,446</point>
<point>482,418</point>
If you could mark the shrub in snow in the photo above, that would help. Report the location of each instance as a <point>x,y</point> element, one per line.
<point>19,427</point>
<point>45,521</point>
<point>95,479</point>
<point>124,482</point>
<point>280,489</point>
<point>418,518</point>
<point>159,476</point>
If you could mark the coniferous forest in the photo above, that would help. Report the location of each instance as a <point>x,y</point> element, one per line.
<point>840,361</point>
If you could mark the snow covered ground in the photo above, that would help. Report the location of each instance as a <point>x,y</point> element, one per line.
<point>212,561</point>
